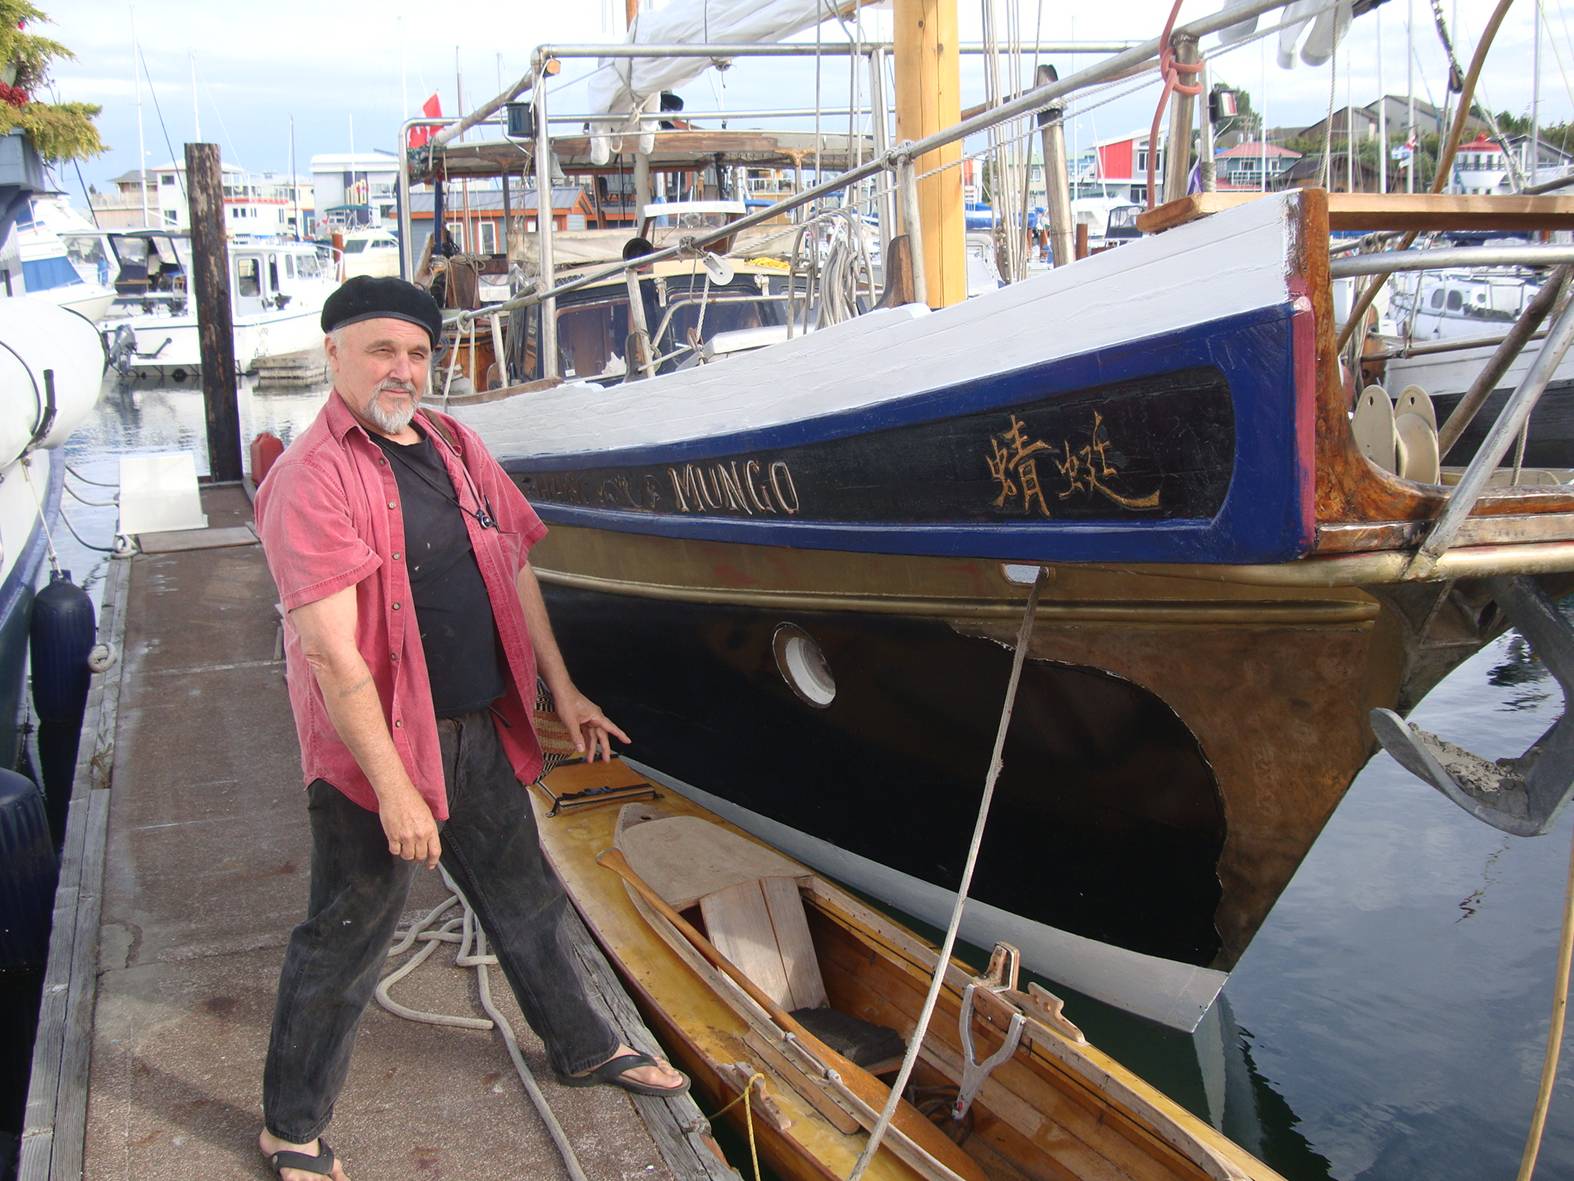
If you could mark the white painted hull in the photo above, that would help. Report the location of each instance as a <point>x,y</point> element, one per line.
<point>171,342</point>
<point>39,336</point>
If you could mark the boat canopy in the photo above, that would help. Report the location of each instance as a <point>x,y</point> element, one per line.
<point>624,84</point>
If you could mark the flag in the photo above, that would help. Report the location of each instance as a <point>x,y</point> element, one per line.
<point>432,109</point>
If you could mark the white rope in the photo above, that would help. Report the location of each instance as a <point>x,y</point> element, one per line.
<point>463,930</point>
<point>43,521</point>
<point>911,1058</point>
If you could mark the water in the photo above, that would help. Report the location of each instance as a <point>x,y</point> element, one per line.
<point>1387,1024</point>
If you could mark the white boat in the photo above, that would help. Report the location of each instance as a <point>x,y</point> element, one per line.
<point>51,364</point>
<point>277,291</point>
<point>42,268</point>
<point>371,252</point>
<point>1445,325</point>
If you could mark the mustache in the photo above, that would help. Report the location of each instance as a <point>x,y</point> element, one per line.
<point>398,387</point>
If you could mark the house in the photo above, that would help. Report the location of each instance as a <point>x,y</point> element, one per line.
<point>476,219</point>
<point>1307,172</point>
<point>1480,166</point>
<point>1117,168</point>
<point>356,189</point>
<point>1360,122</point>
<point>124,208</point>
<point>1429,119</point>
<point>256,206</point>
<point>1550,162</point>
<point>1254,166</point>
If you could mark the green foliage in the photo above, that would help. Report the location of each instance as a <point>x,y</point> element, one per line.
<point>58,131</point>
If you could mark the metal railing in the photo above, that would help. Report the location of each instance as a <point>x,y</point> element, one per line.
<point>898,159</point>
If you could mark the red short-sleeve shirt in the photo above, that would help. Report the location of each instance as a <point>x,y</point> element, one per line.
<point>328,513</point>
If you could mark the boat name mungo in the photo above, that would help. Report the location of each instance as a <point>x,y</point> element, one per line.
<point>749,486</point>
<point>1083,457</point>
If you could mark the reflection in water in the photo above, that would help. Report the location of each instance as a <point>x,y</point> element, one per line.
<point>1257,1117</point>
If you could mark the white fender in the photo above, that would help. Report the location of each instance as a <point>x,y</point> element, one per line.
<point>38,336</point>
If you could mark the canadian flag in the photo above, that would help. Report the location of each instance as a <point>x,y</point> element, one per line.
<point>432,109</point>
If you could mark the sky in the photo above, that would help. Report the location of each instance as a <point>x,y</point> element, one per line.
<point>349,74</point>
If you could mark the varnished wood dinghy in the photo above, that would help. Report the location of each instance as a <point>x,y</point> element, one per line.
<point>758,973</point>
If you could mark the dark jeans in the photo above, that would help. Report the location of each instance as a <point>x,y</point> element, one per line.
<point>358,891</point>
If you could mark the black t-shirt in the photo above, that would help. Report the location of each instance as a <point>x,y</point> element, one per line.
<point>458,633</point>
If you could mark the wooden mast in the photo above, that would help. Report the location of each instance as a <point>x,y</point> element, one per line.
<point>929,98</point>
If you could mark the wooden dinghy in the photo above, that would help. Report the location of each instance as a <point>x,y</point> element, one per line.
<point>759,974</point>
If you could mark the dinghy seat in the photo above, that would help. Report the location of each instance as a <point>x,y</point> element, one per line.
<point>761,927</point>
<point>748,896</point>
<point>877,1048</point>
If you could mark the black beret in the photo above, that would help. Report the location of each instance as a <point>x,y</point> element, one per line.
<point>373,297</point>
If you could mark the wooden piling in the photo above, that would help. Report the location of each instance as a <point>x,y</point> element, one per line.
<point>215,317</point>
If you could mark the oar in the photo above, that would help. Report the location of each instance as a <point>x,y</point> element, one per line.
<point>937,1153</point>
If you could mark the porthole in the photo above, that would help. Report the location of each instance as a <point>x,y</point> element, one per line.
<point>803,666</point>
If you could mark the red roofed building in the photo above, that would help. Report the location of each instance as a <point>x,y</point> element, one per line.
<point>1254,166</point>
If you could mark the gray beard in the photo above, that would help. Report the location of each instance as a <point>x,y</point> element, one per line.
<point>390,422</point>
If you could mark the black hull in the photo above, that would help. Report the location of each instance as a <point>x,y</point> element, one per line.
<point>1107,821</point>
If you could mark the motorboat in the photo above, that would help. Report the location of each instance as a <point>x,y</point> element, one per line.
<point>277,289</point>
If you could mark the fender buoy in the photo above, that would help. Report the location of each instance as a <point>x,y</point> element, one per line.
<point>265,448</point>
<point>27,874</point>
<point>62,636</point>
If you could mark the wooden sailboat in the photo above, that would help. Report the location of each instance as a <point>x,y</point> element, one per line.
<point>759,974</point>
<point>811,557</point>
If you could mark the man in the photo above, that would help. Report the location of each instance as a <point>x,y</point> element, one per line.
<point>414,632</point>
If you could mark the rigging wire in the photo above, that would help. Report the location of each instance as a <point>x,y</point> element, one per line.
<point>180,173</point>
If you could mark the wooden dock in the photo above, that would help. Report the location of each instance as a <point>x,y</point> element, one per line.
<point>292,371</point>
<point>184,869</point>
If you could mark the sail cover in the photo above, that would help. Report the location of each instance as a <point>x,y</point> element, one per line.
<point>626,83</point>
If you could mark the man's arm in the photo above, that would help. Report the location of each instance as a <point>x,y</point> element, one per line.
<point>327,631</point>
<point>583,717</point>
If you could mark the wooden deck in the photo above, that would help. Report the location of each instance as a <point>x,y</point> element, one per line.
<point>185,867</point>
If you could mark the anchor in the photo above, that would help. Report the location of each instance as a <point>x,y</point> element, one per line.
<point>1523,795</point>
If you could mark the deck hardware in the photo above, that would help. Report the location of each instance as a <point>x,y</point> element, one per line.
<point>605,794</point>
<point>1523,795</point>
<point>975,1072</point>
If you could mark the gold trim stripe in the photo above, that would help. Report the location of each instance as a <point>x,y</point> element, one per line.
<point>1133,611</point>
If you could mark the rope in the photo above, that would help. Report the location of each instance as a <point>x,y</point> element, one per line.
<point>80,499</point>
<point>748,1117</point>
<point>1171,71</point>
<point>71,529</point>
<point>86,480</point>
<point>944,958</point>
<point>472,953</point>
<point>1560,1004</point>
<point>43,521</point>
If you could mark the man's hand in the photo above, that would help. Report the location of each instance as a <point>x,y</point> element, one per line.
<point>590,727</point>
<point>408,824</point>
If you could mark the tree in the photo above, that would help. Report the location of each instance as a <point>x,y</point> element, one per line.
<point>58,131</point>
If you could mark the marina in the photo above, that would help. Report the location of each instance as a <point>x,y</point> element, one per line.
<point>1095,648</point>
<point>1379,1026</point>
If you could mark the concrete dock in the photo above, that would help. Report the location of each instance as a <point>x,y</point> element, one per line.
<point>185,868</point>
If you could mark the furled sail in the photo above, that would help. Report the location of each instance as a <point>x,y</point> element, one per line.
<point>624,84</point>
